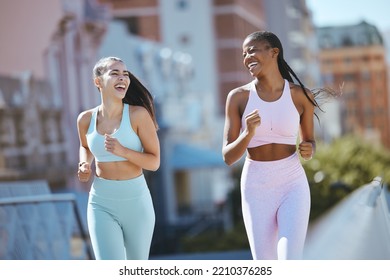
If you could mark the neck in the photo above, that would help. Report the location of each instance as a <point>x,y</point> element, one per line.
<point>269,83</point>
<point>111,109</point>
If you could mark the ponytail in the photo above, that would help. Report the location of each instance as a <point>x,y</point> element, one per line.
<point>137,94</point>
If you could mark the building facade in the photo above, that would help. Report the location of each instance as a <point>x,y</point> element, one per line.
<point>41,139</point>
<point>354,58</point>
<point>291,21</point>
<point>211,31</point>
<point>32,138</point>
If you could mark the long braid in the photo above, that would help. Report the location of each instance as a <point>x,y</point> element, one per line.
<point>301,84</point>
<point>284,69</point>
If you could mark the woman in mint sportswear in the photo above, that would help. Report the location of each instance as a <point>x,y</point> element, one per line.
<point>120,136</point>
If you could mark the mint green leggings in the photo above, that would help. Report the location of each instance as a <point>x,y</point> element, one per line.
<point>121,219</point>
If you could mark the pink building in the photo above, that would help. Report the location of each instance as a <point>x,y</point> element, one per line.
<point>26,29</point>
<point>57,49</point>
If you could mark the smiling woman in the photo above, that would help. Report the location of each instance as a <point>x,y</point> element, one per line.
<point>263,120</point>
<point>121,136</point>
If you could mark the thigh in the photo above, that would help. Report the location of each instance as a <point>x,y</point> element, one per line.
<point>259,207</point>
<point>138,225</point>
<point>293,219</point>
<point>105,232</point>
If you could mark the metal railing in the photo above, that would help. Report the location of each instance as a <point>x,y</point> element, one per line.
<point>32,226</point>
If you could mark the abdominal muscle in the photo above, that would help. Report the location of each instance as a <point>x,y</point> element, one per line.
<point>117,170</point>
<point>270,152</point>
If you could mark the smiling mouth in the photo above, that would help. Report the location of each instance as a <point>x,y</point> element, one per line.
<point>120,86</point>
<point>252,65</point>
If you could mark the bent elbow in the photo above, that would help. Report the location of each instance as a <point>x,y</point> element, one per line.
<point>155,166</point>
<point>227,160</point>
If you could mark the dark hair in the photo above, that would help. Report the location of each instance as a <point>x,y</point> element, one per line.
<point>285,70</point>
<point>137,94</point>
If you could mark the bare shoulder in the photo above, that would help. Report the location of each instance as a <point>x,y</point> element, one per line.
<point>239,92</point>
<point>138,111</point>
<point>84,118</point>
<point>298,94</point>
<point>138,115</point>
<point>238,96</point>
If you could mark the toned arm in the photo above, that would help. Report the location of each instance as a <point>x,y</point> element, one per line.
<point>85,155</point>
<point>234,142</point>
<point>306,110</point>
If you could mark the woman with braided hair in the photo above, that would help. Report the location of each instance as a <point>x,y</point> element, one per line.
<point>264,119</point>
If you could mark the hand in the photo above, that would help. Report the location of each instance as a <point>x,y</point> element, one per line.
<point>84,171</point>
<point>252,120</point>
<point>112,145</point>
<point>306,150</point>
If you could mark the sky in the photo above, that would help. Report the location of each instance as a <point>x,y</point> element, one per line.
<point>340,12</point>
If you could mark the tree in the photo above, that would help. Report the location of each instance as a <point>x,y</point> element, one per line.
<point>342,166</point>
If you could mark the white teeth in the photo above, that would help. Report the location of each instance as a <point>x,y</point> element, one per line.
<point>252,64</point>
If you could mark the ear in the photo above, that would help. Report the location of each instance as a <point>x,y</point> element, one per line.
<point>275,52</point>
<point>97,82</point>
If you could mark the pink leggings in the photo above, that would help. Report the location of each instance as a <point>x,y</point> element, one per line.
<point>276,206</point>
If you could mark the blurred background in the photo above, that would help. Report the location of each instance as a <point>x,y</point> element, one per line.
<point>188,53</point>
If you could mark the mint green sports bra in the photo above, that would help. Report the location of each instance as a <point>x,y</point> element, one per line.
<point>125,135</point>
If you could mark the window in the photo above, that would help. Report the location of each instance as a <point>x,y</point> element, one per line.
<point>182,4</point>
<point>132,24</point>
<point>347,41</point>
<point>366,75</point>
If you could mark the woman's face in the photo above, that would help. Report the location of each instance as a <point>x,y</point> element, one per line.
<point>257,55</point>
<point>116,80</point>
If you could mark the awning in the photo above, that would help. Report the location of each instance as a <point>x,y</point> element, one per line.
<point>187,156</point>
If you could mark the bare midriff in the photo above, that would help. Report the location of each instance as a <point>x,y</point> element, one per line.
<point>117,170</point>
<point>271,152</point>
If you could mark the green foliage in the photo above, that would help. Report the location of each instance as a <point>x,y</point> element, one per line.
<point>340,167</point>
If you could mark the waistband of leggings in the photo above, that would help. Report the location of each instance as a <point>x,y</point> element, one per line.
<point>294,158</point>
<point>117,189</point>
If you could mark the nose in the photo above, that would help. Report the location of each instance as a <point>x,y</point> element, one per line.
<point>247,55</point>
<point>122,77</point>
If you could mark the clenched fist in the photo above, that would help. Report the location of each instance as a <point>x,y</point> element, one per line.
<point>84,171</point>
<point>252,121</point>
<point>306,149</point>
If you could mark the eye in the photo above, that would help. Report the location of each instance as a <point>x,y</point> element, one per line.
<point>249,51</point>
<point>252,50</point>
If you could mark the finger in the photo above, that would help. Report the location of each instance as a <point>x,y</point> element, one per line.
<point>255,111</point>
<point>84,168</point>
<point>305,145</point>
<point>305,149</point>
<point>253,118</point>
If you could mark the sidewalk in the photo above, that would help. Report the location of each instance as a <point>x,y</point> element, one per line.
<point>228,255</point>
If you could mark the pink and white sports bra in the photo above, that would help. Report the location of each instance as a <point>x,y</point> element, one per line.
<point>279,119</point>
